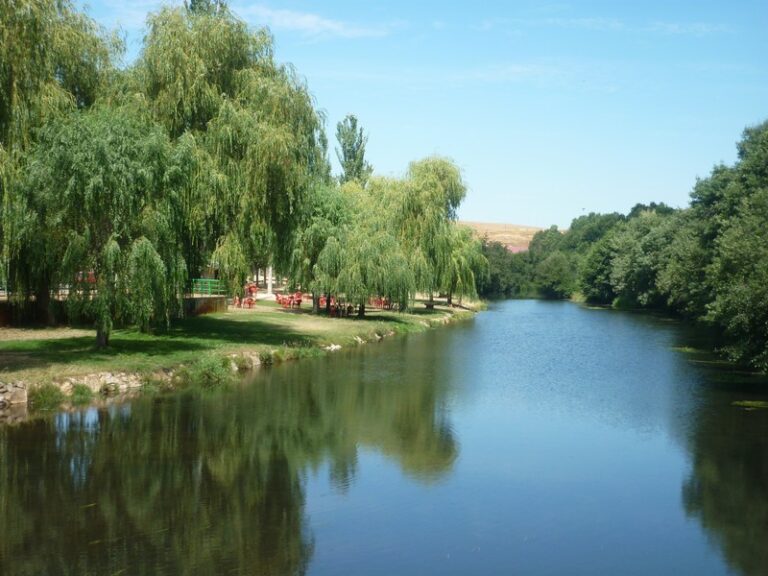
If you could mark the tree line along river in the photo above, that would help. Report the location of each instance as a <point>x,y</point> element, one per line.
<point>539,438</point>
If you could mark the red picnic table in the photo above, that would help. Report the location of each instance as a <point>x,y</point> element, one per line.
<point>289,300</point>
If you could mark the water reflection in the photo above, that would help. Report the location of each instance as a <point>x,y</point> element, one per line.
<point>727,490</point>
<point>210,484</point>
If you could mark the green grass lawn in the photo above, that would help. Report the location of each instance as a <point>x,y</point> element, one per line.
<point>268,328</point>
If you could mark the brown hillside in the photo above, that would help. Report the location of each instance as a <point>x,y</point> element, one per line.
<point>514,237</point>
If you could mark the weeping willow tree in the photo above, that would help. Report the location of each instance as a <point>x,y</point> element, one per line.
<point>375,265</point>
<point>316,257</point>
<point>53,59</point>
<point>400,237</point>
<point>466,264</point>
<point>330,263</point>
<point>424,209</point>
<point>99,206</point>
<point>253,138</point>
<point>373,260</point>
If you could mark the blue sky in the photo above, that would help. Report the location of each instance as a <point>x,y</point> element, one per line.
<point>551,109</point>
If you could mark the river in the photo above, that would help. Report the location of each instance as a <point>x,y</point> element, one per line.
<point>538,438</point>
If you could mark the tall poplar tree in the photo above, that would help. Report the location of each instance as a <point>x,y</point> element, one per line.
<point>351,151</point>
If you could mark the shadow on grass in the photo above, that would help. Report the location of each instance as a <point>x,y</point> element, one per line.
<point>245,331</point>
<point>379,317</point>
<point>370,316</point>
<point>418,311</point>
<point>36,354</point>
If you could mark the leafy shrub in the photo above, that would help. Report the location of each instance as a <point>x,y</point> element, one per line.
<point>151,384</point>
<point>45,397</point>
<point>265,358</point>
<point>81,395</point>
<point>243,364</point>
<point>209,373</point>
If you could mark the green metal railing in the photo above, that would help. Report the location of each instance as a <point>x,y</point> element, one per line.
<point>208,287</point>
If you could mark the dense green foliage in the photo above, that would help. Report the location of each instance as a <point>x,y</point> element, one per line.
<point>707,262</point>
<point>205,156</point>
<point>96,198</point>
<point>390,239</point>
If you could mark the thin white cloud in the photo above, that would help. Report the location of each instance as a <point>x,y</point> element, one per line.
<point>132,16</point>
<point>591,24</point>
<point>494,23</point>
<point>496,74</point>
<point>308,23</point>
<point>505,73</point>
<point>603,24</point>
<point>597,24</point>
<point>568,76</point>
<point>686,29</point>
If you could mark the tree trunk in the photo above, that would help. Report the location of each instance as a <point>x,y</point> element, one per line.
<point>315,303</point>
<point>43,311</point>
<point>361,310</point>
<point>450,299</point>
<point>328,304</point>
<point>431,303</point>
<point>102,338</point>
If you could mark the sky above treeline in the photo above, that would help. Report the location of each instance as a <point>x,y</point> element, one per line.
<point>551,109</point>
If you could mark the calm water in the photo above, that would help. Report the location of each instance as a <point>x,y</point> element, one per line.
<point>540,438</point>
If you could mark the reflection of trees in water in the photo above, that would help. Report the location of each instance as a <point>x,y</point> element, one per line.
<point>398,410</point>
<point>209,484</point>
<point>139,493</point>
<point>727,490</point>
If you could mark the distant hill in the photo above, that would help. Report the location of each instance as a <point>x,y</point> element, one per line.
<point>516,238</point>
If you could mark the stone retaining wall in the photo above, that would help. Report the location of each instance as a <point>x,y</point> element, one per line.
<point>13,414</point>
<point>12,393</point>
<point>197,305</point>
<point>104,383</point>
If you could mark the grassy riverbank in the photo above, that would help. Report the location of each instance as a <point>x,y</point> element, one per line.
<point>39,356</point>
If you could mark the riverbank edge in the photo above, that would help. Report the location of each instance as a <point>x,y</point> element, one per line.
<point>99,389</point>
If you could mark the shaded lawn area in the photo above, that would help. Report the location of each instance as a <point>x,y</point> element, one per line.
<point>266,328</point>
